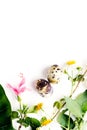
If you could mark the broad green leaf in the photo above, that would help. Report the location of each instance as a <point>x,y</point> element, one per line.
<point>63,120</point>
<point>5,111</point>
<point>73,107</point>
<point>33,122</point>
<point>81,98</point>
<point>84,106</point>
<point>23,122</point>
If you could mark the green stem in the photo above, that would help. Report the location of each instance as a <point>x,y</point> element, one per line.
<point>78,84</point>
<point>69,122</point>
<point>20,105</point>
<point>58,111</point>
<point>64,127</point>
<point>69,96</point>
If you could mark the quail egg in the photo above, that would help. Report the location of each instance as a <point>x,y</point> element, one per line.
<point>54,74</point>
<point>43,87</point>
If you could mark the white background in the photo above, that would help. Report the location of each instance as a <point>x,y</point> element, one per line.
<point>35,34</point>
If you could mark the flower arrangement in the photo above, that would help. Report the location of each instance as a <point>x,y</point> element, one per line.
<point>70,111</point>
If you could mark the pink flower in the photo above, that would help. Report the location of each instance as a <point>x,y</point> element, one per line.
<point>20,88</point>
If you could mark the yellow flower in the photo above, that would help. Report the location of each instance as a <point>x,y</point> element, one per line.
<point>39,106</point>
<point>46,122</point>
<point>71,62</point>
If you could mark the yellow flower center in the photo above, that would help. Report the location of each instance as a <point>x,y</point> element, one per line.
<point>71,62</point>
<point>46,122</point>
<point>39,106</point>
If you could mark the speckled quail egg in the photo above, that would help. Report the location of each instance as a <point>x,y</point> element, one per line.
<point>43,87</point>
<point>54,74</point>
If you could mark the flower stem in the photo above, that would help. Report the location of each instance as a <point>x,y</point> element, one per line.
<point>78,84</point>
<point>69,96</point>
<point>58,111</point>
<point>19,127</point>
<point>20,104</point>
<point>69,122</point>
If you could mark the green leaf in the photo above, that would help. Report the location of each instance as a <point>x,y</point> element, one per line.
<point>79,68</point>
<point>84,106</point>
<point>15,114</point>
<point>78,78</point>
<point>33,122</point>
<point>23,122</point>
<point>65,72</point>
<point>57,104</point>
<point>20,111</point>
<point>73,107</point>
<point>81,125</point>
<point>63,120</point>
<point>31,109</point>
<point>28,121</point>
<point>25,109</point>
<point>81,97</point>
<point>5,111</point>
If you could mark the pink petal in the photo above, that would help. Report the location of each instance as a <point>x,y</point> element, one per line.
<point>22,89</point>
<point>8,85</point>
<point>14,89</point>
<point>22,82</point>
